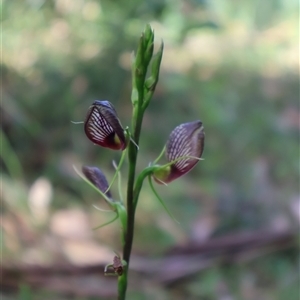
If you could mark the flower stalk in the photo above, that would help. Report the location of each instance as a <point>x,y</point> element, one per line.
<point>140,65</point>
<point>102,126</point>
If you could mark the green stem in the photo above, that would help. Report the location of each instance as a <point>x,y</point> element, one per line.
<point>128,235</point>
<point>139,69</point>
<point>139,74</point>
<point>139,183</point>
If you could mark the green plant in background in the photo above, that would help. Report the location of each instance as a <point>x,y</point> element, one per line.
<point>103,127</point>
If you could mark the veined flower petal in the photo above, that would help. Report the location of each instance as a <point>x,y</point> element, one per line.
<point>102,126</point>
<point>185,142</point>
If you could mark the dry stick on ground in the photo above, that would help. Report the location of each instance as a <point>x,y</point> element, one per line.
<point>179,263</point>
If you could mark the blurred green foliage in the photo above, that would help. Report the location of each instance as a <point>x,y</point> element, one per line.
<point>233,64</point>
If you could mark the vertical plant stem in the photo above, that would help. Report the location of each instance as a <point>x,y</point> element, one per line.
<point>138,80</point>
<point>132,154</point>
<point>128,235</point>
<point>140,93</point>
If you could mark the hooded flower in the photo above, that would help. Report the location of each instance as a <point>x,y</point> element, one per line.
<point>97,178</point>
<point>185,141</point>
<point>102,126</point>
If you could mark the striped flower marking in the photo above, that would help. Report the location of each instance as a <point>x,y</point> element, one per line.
<point>102,126</point>
<point>185,142</point>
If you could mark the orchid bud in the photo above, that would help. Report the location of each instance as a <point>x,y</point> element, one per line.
<point>183,150</point>
<point>97,178</point>
<point>102,126</point>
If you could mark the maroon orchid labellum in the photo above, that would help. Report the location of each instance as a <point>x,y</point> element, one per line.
<point>183,150</point>
<point>102,126</point>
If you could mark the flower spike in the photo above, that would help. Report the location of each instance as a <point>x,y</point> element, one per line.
<point>102,126</point>
<point>183,150</point>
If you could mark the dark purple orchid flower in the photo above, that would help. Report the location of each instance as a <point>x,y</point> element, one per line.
<point>102,126</point>
<point>185,142</point>
<point>97,178</point>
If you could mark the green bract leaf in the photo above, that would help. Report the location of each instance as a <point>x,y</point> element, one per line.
<point>161,201</point>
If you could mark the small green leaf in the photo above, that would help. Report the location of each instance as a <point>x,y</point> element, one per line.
<point>161,201</point>
<point>107,223</point>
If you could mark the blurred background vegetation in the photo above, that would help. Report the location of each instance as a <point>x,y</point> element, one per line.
<point>232,64</point>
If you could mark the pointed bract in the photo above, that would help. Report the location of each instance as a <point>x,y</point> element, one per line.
<point>102,126</point>
<point>185,141</point>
